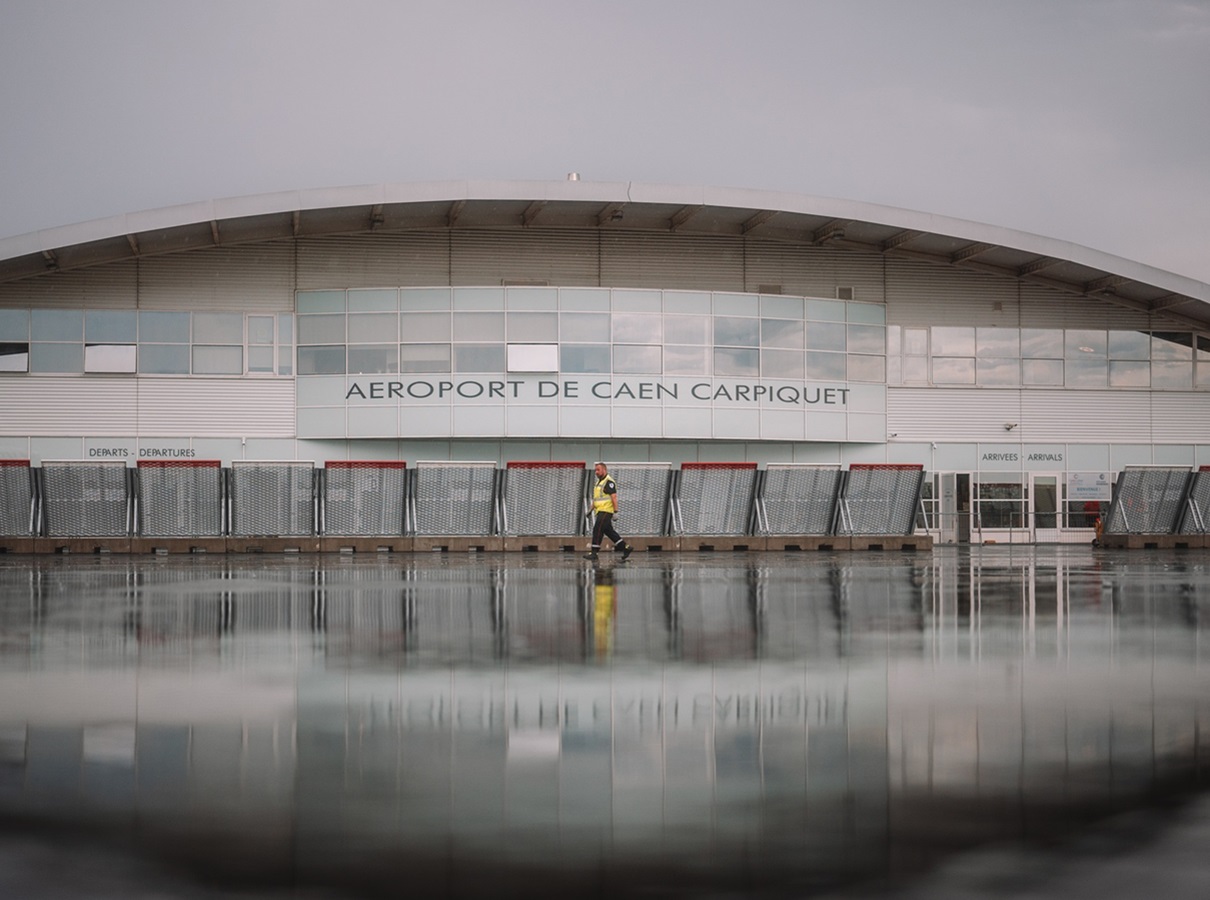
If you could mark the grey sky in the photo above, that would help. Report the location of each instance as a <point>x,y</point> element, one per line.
<point>1085,120</point>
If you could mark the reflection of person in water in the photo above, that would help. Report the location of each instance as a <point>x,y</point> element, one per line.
<point>604,608</point>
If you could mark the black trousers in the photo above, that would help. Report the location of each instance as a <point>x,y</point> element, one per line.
<point>602,526</point>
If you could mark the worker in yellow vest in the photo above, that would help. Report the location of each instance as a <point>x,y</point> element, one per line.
<point>605,506</point>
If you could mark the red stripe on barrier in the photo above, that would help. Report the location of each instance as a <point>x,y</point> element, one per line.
<point>903,467</point>
<point>179,463</point>
<point>15,462</point>
<point>717,465</point>
<point>516,464</point>
<point>366,463</point>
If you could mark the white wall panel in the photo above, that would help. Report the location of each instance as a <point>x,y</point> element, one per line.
<point>1180,417</point>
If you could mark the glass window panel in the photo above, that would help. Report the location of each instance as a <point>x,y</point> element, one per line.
<point>475,326</point>
<point>228,328</point>
<point>894,370</point>
<point>1002,343</point>
<point>951,370</point>
<point>260,329</point>
<point>821,336</point>
<point>260,359</point>
<point>164,327</point>
<point>585,328</point>
<point>695,360</point>
<point>426,328</point>
<point>164,359</point>
<point>953,340</point>
<point>531,298</point>
<point>57,325</point>
<point>425,299</point>
<point>997,372</point>
<point>916,341</point>
<point>52,357</point>
<point>1042,371</point>
<point>867,339</point>
<point>14,357</point>
<point>1086,372</point>
<point>826,310</point>
<point>1203,375</point>
<point>313,360</point>
<point>1203,347</point>
<point>319,301</point>
<point>111,326</point>
<point>14,324</point>
<point>285,328</point>
<point>867,368</point>
<point>533,357</point>
<point>689,302</point>
<point>479,298</point>
<point>320,329</point>
<point>373,328</point>
<point>1084,342</point>
<point>735,304</point>
<point>1129,345</point>
<point>687,329</point>
<point>782,364</point>
<point>625,300</point>
<point>584,358</point>
<point>584,299</point>
<point>735,362</point>
<point>109,358</point>
<point>824,366</point>
<point>637,328</point>
<point>533,326</point>
<point>735,331</point>
<point>424,358</point>
<point>1171,375</point>
<point>1171,345</point>
<point>1123,373</point>
<point>368,359</point>
<point>774,307</point>
<point>784,333</point>
<point>866,313</point>
<point>1041,343</point>
<point>479,358</point>
<point>374,300</point>
<point>221,360</point>
<point>915,370</point>
<point>629,359</point>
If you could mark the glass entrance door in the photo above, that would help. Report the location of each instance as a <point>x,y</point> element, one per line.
<point>1044,507</point>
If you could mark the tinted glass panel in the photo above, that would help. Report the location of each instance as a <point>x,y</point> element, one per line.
<point>219,360</point>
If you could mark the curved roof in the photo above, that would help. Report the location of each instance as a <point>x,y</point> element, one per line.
<point>627,206</point>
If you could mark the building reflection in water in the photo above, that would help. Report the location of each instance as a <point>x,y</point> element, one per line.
<point>481,725</point>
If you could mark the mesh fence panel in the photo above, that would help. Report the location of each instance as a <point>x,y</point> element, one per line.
<point>644,489</point>
<point>716,498</point>
<point>16,497</point>
<point>85,499</point>
<point>881,499</point>
<point>364,497</point>
<point>455,497</point>
<point>1148,500</point>
<point>1198,508</point>
<point>800,499</point>
<point>180,498</point>
<point>544,498</point>
<point>272,498</point>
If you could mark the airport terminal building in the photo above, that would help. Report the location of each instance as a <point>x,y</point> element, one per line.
<point>466,330</point>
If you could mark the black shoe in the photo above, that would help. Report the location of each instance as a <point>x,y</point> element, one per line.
<point>592,555</point>
<point>626,552</point>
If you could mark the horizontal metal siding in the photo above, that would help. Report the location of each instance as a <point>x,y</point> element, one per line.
<point>109,286</point>
<point>255,278</point>
<point>688,262</point>
<point>813,272</point>
<point>374,260</point>
<point>948,414</point>
<point>1180,417</point>
<point>194,407</point>
<point>554,257</point>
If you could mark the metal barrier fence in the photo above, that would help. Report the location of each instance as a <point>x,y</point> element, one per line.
<point>715,498</point>
<point>799,499</point>
<point>364,497</point>
<point>455,498</point>
<point>18,510</point>
<point>645,490</point>
<point>542,498</point>
<point>880,498</point>
<point>1197,507</point>
<point>272,498</point>
<point>1148,500</point>
<point>179,498</point>
<point>86,499</point>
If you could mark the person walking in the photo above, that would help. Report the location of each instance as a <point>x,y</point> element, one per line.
<point>605,507</point>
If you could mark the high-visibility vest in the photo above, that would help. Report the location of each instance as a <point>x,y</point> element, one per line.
<point>601,501</point>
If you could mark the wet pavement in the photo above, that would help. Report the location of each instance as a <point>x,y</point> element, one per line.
<point>999,721</point>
